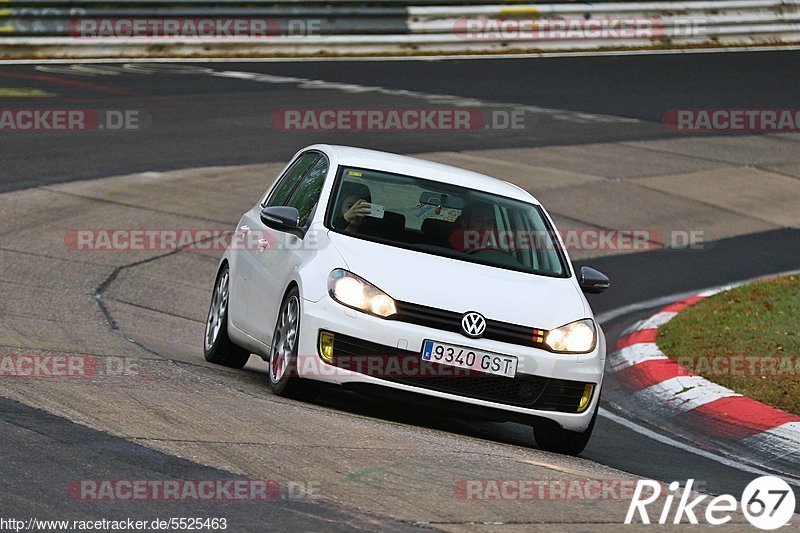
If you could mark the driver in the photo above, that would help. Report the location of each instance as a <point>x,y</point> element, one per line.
<point>475,229</point>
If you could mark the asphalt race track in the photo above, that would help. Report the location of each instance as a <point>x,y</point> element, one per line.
<point>216,114</point>
<point>203,119</point>
<point>64,451</point>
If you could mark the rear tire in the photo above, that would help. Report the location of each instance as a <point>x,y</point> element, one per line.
<point>283,378</point>
<point>553,438</point>
<point>218,348</point>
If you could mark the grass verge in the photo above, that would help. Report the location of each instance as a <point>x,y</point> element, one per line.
<point>746,339</point>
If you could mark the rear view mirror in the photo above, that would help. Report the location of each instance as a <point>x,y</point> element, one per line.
<point>592,281</point>
<point>441,200</point>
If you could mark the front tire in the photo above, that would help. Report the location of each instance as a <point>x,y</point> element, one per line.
<point>553,438</point>
<point>283,378</point>
<point>218,348</point>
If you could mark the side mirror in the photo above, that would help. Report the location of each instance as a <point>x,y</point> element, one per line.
<point>592,281</point>
<point>281,218</point>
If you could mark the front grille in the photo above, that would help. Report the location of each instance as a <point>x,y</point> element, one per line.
<point>522,391</point>
<point>408,368</point>
<point>451,321</point>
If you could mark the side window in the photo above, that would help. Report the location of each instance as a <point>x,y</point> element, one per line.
<point>307,193</point>
<point>288,182</point>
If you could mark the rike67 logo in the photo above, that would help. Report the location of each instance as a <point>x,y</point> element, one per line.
<point>767,503</point>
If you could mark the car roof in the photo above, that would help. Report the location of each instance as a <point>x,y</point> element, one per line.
<point>411,166</point>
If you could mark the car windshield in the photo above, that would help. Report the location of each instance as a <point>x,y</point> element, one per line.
<point>446,220</point>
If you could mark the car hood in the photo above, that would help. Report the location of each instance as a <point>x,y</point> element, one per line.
<point>453,285</point>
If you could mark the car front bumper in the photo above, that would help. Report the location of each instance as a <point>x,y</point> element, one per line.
<point>536,367</point>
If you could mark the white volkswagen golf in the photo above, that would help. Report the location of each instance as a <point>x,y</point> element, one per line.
<point>432,283</point>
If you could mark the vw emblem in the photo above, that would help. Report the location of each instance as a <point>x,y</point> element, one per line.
<point>473,324</point>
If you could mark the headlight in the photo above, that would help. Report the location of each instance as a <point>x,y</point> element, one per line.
<point>575,337</point>
<point>353,291</point>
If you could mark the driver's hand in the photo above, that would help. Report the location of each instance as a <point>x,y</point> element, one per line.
<point>357,211</point>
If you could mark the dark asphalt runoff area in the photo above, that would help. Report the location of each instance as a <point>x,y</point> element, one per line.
<point>196,120</point>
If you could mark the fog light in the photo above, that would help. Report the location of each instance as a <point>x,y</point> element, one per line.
<point>586,398</point>
<point>326,347</point>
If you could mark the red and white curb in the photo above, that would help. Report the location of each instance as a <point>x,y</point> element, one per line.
<point>671,392</point>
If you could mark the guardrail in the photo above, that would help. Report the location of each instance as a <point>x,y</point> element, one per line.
<point>92,28</point>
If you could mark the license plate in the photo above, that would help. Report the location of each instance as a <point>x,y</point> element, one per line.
<point>463,357</point>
